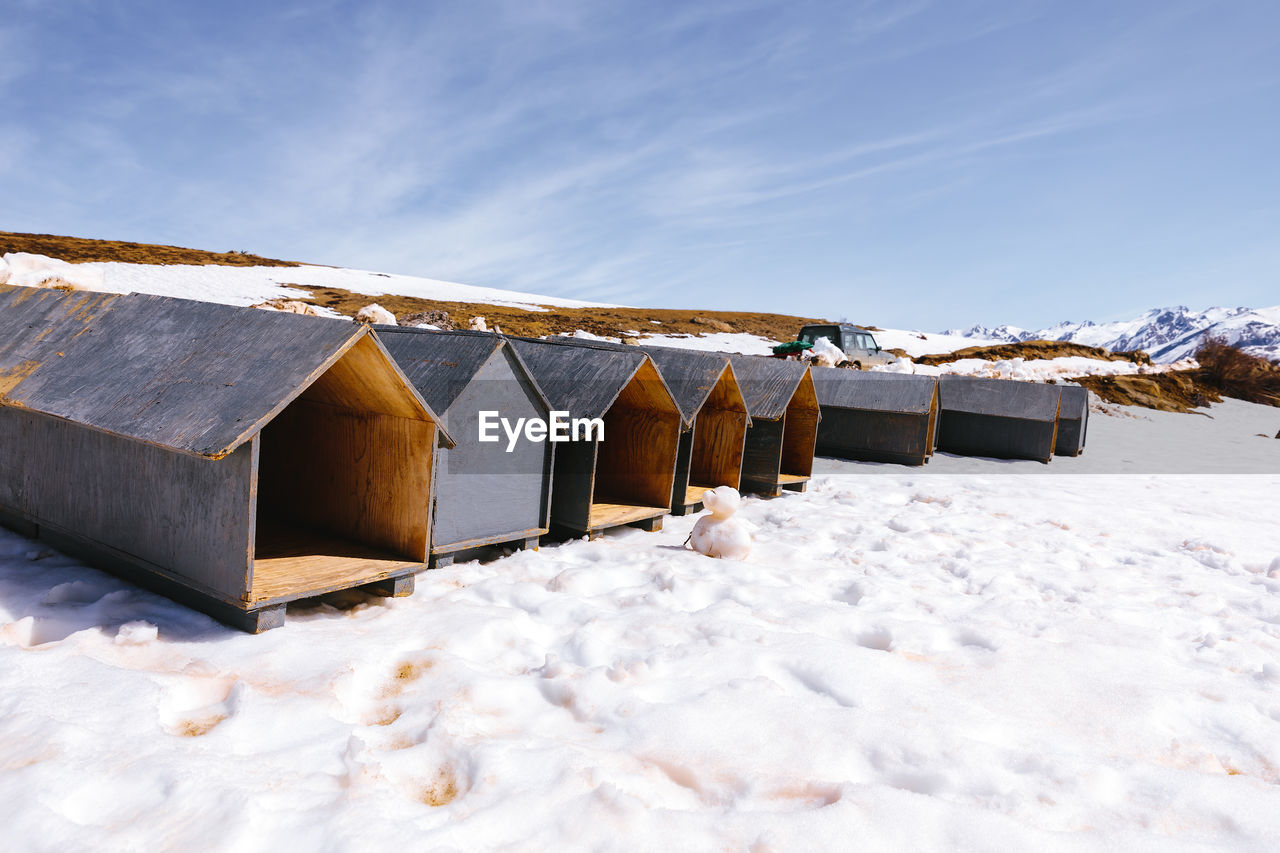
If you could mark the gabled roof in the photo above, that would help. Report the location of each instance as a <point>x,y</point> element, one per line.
<point>691,375</point>
<point>190,376</point>
<point>768,383</point>
<point>580,377</point>
<point>842,388</point>
<point>441,363</point>
<point>1030,401</point>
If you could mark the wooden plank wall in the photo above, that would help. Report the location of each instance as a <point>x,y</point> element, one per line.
<point>718,444</point>
<point>573,485</point>
<point>800,432</point>
<point>872,436</point>
<point>361,475</point>
<point>187,515</point>
<point>762,455</point>
<point>483,491</point>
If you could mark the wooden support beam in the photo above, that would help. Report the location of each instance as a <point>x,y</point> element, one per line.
<point>397,587</point>
<point>255,621</point>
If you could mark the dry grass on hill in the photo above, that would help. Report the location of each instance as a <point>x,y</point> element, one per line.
<point>1031,350</point>
<point>1239,374</point>
<point>1225,371</point>
<point>78,250</point>
<point>607,322</point>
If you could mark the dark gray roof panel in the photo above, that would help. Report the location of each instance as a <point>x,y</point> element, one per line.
<point>690,374</point>
<point>579,377</point>
<point>439,364</point>
<point>882,392</point>
<point>1075,402</point>
<point>1032,401</point>
<point>37,323</point>
<point>767,383</point>
<point>191,376</point>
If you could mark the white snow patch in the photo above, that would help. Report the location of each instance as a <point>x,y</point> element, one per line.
<point>1035,369</point>
<point>732,342</point>
<point>249,285</point>
<point>924,659</point>
<point>23,269</point>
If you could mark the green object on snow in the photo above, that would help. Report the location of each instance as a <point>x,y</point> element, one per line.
<point>792,347</point>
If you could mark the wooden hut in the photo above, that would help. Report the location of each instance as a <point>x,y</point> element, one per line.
<point>1000,418</point>
<point>626,477</point>
<point>714,422</point>
<point>1073,421</point>
<point>876,417</point>
<point>232,459</point>
<point>487,492</point>
<point>784,424</point>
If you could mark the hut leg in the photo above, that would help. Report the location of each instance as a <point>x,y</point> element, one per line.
<point>529,544</point>
<point>796,487</point>
<point>652,525</point>
<point>398,587</point>
<point>255,621</point>
<point>441,561</point>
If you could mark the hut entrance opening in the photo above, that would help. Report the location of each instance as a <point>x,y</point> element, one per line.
<point>343,473</point>
<point>799,434</point>
<point>635,464</point>
<point>716,441</point>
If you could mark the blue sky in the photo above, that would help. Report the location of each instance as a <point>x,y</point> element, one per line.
<point>919,164</point>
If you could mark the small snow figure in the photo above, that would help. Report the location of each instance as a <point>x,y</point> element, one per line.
<point>720,534</point>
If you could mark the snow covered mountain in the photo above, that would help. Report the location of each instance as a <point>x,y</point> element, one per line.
<point>1167,334</point>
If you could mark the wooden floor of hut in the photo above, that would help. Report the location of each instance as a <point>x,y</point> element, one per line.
<point>693,495</point>
<point>606,515</point>
<point>290,560</point>
<point>793,482</point>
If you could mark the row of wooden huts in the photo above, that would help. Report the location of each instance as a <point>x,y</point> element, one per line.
<point>237,460</point>
<point>904,418</point>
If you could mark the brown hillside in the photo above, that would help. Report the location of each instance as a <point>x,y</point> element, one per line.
<point>77,250</point>
<point>610,322</point>
<point>1238,374</point>
<point>1175,391</point>
<point>1033,349</point>
<point>607,322</point>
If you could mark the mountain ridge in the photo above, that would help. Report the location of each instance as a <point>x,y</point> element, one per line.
<point>1166,334</point>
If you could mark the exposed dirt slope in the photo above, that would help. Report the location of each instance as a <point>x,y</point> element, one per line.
<point>77,250</point>
<point>610,322</point>
<point>1175,391</point>
<point>1031,350</point>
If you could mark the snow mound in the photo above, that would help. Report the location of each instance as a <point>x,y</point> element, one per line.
<point>1034,370</point>
<point>23,269</point>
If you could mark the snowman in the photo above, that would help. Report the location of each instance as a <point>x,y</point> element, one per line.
<point>720,534</point>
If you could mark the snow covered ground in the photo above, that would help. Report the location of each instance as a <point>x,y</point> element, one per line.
<point>927,343</point>
<point>248,285</point>
<point>970,655</point>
